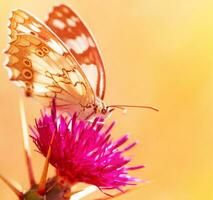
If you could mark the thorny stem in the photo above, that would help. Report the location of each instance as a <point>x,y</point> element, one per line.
<point>42,183</point>
<point>12,187</point>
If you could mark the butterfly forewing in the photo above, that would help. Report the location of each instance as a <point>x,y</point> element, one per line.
<point>71,29</point>
<point>41,64</point>
<point>23,22</point>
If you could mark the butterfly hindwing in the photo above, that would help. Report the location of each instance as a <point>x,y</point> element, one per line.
<point>73,32</point>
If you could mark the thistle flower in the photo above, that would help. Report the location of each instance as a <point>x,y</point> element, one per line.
<point>82,151</point>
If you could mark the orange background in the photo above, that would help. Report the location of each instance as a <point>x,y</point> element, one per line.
<point>157,53</point>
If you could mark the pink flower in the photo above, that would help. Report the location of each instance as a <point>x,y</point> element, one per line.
<point>84,151</point>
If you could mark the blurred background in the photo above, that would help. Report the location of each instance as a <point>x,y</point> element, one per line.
<point>156,52</point>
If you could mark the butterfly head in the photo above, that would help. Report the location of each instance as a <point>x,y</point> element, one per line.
<point>101,108</point>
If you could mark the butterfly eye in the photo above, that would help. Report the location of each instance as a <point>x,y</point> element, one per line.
<point>104,111</point>
<point>27,74</point>
<point>45,49</point>
<point>40,53</point>
<point>27,62</point>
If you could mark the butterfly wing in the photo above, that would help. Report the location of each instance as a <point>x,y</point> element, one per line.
<point>71,29</point>
<point>40,63</point>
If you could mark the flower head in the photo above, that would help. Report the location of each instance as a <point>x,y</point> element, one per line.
<point>84,151</point>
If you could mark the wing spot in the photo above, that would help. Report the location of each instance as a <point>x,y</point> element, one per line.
<point>23,42</point>
<point>27,74</point>
<point>19,19</point>
<point>12,60</point>
<point>72,44</point>
<point>73,77</point>
<point>34,28</point>
<point>45,49</point>
<point>59,14</point>
<point>35,40</point>
<point>40,53</point>
<point>36,24</point>
<point>22,14</point>
<point>66,10</point>
<point>80,88</point>
<point>12,50</point>
<point>71,22</point>
<point>56,46</point>
<point>28,89</point>
<point>76,19</point>
<point>28,92</point>
<point>58,24</point>
<point>69,29</point>
<point>27,62</point>
<point>23,28</point>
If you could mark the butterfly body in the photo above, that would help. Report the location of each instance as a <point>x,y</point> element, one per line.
<point>59,60</point>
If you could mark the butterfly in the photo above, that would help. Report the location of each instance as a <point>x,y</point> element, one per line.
<point>58,59</point>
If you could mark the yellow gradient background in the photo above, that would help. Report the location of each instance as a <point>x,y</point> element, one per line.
<point>156,52</point>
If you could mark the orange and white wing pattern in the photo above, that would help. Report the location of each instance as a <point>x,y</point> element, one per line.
<point>43,66</point>
<point>71,29</point>
<point>23,22</point>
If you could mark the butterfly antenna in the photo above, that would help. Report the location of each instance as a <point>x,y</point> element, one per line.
<point>124,107</point>
<point>26,145</point>
<point>12,186</point>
